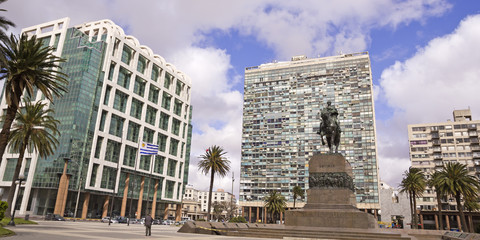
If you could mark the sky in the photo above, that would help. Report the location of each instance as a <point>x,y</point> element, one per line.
<point>425,57</point>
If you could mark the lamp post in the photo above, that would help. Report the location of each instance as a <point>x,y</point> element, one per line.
<point>20,179</point>
<point>79,180</point>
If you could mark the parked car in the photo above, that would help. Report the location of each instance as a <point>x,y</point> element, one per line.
<point>105,219</point>
<point>54,217</point>
<point>121,219</point>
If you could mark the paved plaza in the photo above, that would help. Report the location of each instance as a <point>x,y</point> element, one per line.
<point>52,230</point>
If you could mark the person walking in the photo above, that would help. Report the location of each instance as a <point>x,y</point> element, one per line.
<point>148,225</point>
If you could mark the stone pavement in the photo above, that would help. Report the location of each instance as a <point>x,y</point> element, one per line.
<point>51,230</point>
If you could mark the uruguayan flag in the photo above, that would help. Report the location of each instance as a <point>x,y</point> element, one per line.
<point>148,149</point>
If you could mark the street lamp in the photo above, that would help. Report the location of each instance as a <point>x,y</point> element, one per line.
<point>79,180</point>
<point>20,179</point>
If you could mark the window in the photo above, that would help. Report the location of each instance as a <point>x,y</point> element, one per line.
<point>127,54</point>
<point>136,109</point>
<point>173,147</point>
<point>172,165</point>
<point>155,72</point>
<point>112,69</point>
<point>98,147</point>
<point>139,87</point>
<point>180,169</point>
<point>133,131</point>
<point>159,162</point>
<point>166,99</point>
<point>102,121</point>
<point>179,87</point>
<point>93,177</point>
<point>145,162</point>
<point>151,115</point>
<point>184,129</point>
<point>153,93</point>
<point>162,142</point>
<point>130,155</point>
<point>10,169</point>
<point>113,151</point>
<point>170,187</point>
<point>116,125</point>
<point>142,64</point>
<point>164,118</point>
<point>177,108</point>
<point>181,150</point>
<point>148,135</point>
<point>108,177</point>
<point>124,77</point>
<point>176,126</point>
<point>107,95</point>
<point>168,80</point>
<point>120,102</point>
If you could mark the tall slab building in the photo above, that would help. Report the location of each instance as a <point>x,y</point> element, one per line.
<point>120,94</point>
<point>434,144</point>
<point>282,101</point>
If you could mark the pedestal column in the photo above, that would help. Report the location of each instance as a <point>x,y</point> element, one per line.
<point>154,201</point>
<point>86,201</point>
<point>125,196</point>
<point>62,191</point>
<point>178,212</point>
<point>105,206</point>
<point>140,199</point>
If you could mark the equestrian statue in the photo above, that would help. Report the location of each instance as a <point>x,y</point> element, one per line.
<point>329,127</point>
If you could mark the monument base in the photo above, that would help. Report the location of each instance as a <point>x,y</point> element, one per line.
<point>331,199</point>
<point>335,218</point>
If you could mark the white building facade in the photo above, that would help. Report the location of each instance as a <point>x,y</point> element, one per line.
<point>120,95</point>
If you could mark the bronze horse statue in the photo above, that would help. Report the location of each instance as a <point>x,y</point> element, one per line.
<point>330,129</point>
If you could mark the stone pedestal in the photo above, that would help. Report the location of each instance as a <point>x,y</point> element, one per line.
<point>331,199</point>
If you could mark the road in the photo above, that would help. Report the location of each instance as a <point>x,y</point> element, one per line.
<point>51,230</point>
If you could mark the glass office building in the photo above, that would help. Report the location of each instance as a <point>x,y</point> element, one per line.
<point>120,94</point>
<point>282,102</point>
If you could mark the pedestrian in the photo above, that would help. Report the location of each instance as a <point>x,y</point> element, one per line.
<point>148,225</point>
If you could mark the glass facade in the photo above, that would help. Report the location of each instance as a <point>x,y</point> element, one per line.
<point>280,120</point>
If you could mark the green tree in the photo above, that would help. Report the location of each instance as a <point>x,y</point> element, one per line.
<point>27,65</point>
<point>215,163</point>
<point>297,192</point>
<point>275,202</point>
<point>4,23</point>
<point>455,181</point>
<point>218,210</point>
<point>413,183</point>
<point>434,182</point>
<point>34,129</point>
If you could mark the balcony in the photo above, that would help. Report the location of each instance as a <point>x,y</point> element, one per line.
<point>472,126</point>
<point>472,134</point>
<point>436,142</point>
<point>475,148</point>
<point>437,157</point>
<point>435,136</point>
<point>437,150</point>
<point>474,141</point>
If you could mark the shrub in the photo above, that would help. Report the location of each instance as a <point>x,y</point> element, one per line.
<point>3,207</point>
<point>201,220</point>
<point>238,219</point>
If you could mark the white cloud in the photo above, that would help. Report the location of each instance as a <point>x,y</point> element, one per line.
<point>441,77</point>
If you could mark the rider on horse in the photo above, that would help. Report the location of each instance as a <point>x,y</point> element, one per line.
<point>329,127</point>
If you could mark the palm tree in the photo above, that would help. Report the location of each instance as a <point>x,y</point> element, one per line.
<point>414,184</point>
<point>4,23</point>
<point>275,202</point>
<point>297,192</point>
<point>455,181</point>
<point>34,129</point>
<point>213,162</point>
<point>27,65</point>
<point>434,182</point>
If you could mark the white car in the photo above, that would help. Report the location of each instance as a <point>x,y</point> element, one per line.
<point>106,219</point>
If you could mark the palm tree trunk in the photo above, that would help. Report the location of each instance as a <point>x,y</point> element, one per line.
<point>439,203</point>
<point>460,211</point>
<point>294,202</point>
<point>11,191</point>
<point>210,194</point>
<point>414,198</point>
<point>411,210</point>
<point>7,124</point>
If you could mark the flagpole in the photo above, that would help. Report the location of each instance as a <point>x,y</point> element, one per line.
<point>152,161</point>
<point>132,180</point>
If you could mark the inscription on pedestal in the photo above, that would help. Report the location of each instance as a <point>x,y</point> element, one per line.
<point>330,180</point>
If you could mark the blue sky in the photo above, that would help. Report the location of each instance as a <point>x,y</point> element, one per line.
<point>424,56</point>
